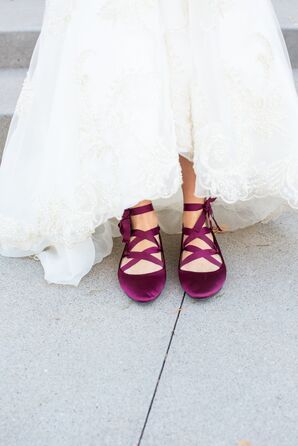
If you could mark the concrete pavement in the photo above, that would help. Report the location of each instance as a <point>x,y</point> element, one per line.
<point>86,366</point>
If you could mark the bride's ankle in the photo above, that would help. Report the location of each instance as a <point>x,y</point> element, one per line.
<point>190,218</point>
<point>144,221</point>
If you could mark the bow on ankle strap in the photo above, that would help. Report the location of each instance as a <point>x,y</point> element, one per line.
<point>125,226</point>
<point>125,222</point>
<point>207,207</point>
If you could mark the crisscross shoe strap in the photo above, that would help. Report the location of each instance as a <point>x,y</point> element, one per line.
<point>200,231</point>
<point>138,235</point>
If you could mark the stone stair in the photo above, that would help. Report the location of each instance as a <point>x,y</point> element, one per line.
<point>20,22</point>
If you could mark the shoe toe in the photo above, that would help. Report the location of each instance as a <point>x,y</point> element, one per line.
<point>142,287</point>
<point>202,285</point>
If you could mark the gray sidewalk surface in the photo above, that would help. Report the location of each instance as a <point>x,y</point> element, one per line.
<point>86,366</point>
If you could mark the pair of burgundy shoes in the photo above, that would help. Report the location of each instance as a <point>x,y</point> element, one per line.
<point>147,287</point>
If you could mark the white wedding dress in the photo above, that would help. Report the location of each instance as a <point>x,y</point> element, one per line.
<point>116,90</point>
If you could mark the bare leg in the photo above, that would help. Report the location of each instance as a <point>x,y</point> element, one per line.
<point>188,188</point>
<point>150,220</point>
<point>144,221</point>
<point>190,217</point>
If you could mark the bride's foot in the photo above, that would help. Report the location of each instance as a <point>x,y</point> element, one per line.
<point>141,271</point>
<point>200,264</point>
<point>144,222</point>
<point>202,269</point>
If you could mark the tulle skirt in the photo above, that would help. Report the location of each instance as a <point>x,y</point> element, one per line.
<point>116,91</point>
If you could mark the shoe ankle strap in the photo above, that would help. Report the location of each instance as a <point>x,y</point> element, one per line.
<point>207,210</point>
<point>198,206</point>
<point>141,209</point>
<point>125,222</point>
<point>193,206</point>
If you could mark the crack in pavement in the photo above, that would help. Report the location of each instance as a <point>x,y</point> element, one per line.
<point>161,371</point>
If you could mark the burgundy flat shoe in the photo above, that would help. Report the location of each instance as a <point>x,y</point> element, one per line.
<point>141,287</point>
<point>200,285</point>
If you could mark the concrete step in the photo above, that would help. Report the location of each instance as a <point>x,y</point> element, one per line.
<point>20,22</point>
<point>287,12</point>
<point>11,81</point>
